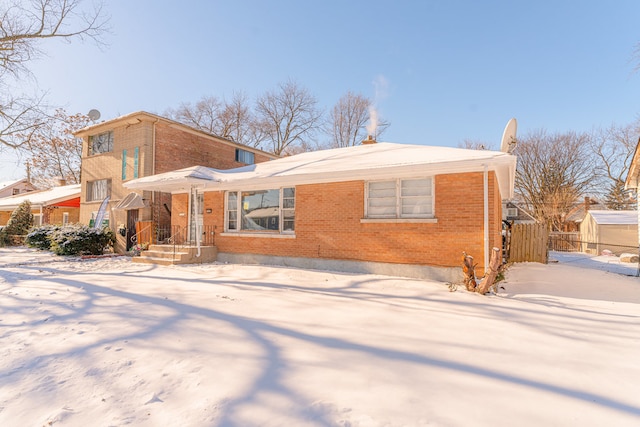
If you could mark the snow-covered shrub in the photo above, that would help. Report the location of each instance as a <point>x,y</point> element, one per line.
<point>81,240</point>
<point>41,237</point>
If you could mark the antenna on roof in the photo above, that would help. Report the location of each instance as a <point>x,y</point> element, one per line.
<point>509,141</point>
<point>93,114</point>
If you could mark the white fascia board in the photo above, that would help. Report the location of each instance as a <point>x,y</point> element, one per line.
<point>505,169</point>
<point>169,185</point>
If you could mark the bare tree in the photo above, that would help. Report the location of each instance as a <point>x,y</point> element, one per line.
<point>227,119</point>
<point>24,25</point>
<point>203,115</point>
<point>553,173</point>
<point>54,152</point>
<point>614,148</point>
<point>239,122</point>
<point>288,116</point>
<point>475,145</point>
<point>347,122</point>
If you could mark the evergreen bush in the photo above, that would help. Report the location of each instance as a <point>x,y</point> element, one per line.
<point>81,240</point>
<point>18,226</point>
<point>41,237</point>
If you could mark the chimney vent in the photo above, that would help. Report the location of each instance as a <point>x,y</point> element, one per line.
<point>62,182</point>
<point>369,140</point>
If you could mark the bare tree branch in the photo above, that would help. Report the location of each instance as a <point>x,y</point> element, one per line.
<point>24,25</point>
<point>347,122</point>
<point>553,173</point>
<point>288,116</point>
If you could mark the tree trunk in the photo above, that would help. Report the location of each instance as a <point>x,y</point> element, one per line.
<point>468,268</point>
<point>490,276</point>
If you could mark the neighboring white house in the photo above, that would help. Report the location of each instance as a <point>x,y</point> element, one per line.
<point>15,187</point>
<point>616,231</point>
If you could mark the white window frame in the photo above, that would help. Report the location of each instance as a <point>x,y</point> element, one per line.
<point>238,208</point>
<point>512,212</point>
<point>399,216</point>
<point>65,218</point>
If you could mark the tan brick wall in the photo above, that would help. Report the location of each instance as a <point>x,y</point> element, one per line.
<point>328,225</point>
<point>55,216</point>
<point>50,216</point>
<point>4,217</point>
<point>176,148</point>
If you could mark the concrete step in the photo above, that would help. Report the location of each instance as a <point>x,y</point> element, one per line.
<point>164,255</point>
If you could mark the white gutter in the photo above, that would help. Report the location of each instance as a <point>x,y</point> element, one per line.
<point>486,217</point>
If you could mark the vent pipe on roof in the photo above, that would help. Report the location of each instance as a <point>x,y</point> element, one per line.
<point>369,140</point>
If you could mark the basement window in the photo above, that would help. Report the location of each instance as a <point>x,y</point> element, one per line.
<point>400,198</point>
<point>261,211</point>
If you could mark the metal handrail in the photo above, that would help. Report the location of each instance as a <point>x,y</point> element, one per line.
<point>134,238</point>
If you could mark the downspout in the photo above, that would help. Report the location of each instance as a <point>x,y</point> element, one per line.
<point>486,217</point>
<point>153,170</point>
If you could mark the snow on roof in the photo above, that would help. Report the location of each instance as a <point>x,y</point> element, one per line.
<point>6,184</point>
<point>365,162</point>
<point>615,217</point>
<point>42,197</point>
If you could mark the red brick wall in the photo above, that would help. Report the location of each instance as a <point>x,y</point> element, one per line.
<point>328,225</point>
<point>177,149</point>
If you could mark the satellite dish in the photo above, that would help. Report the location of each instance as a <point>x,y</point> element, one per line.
<point>509,141</point>
<point>94,114</point>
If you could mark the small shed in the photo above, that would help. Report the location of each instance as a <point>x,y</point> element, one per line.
<point>616,231</point>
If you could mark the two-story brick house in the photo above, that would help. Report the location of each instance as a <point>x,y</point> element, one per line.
<point>142,144</point>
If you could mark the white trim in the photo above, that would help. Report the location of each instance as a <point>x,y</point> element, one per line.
<point>273,235</point>
<point>239,211</point>
<point>398,196</point>
<point>399,220</point>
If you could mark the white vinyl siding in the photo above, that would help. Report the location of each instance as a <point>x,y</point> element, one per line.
<point>402,198</point>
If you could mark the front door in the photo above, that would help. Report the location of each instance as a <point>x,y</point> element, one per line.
<point>132,218</point>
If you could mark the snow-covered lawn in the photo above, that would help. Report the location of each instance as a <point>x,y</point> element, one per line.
<point>108,343</point>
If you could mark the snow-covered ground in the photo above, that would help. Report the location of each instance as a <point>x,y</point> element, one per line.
<point>106,342</point>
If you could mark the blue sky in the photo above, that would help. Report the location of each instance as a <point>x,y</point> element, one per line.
<point>441,71</point>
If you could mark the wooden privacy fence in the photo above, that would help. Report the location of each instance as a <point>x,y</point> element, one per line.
<point>528,243</point>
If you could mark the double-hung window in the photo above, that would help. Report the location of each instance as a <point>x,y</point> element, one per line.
<point>98,190</point>
<point>261,211</point>
<point>400,198</point>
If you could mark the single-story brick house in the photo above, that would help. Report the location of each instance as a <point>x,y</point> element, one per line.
<point>380,207</point>
<point>57,205</point>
